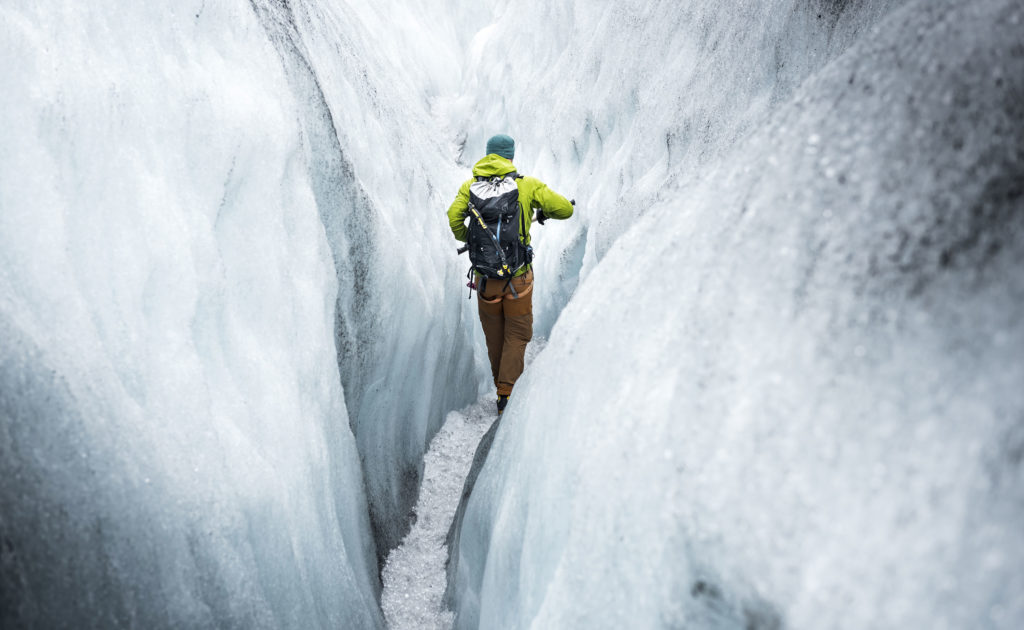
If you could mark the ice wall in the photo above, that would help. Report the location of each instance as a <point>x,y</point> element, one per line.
<point>621,104</point>
<point>196,201</point>
<point>789,395</point>
<point>404,329</point>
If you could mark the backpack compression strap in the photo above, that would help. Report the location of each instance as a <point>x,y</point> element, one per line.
<point>484,178</point>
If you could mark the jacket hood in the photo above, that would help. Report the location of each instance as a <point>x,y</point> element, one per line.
<point>493,165</point>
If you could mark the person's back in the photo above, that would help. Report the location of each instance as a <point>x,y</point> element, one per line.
<point>505,301</point>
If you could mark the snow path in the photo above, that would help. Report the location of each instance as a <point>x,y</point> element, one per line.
<point>414,574</point>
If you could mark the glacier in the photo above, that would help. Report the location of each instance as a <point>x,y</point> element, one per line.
<point>786,391</point>
<point>221,340</point>
<point>781,386</point>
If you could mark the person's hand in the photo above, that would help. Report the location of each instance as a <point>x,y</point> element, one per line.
<point>541,218</point>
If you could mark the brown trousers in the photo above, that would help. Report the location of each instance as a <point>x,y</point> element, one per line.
<point>508,327</point>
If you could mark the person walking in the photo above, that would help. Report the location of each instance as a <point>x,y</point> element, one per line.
<point>497,198</point>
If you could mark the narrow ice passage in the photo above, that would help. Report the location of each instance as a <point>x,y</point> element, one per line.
<point>414,575</point>
<point>781,387</point>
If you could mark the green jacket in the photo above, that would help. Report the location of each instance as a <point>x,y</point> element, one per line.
<point>533,194</point>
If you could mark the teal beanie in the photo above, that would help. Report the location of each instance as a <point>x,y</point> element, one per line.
<point>502,145</point>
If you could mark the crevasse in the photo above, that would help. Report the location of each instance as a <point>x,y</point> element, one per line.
<point>781,387</point>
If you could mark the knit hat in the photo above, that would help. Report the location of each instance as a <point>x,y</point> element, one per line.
<point>502,145</point>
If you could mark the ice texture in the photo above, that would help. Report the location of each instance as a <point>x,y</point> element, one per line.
<point>787,391</point>
<point>216,220</point>
<point>784,390</point>
<point>414,575</point>
<point>621,105</point>
<point>382,172</point>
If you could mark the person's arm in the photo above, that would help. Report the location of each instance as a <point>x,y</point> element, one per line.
<point>553,205</point>
<point>457,213</point>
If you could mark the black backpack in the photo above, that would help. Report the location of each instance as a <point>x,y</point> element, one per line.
<point>495,249</point>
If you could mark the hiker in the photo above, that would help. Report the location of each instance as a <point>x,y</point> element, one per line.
<point>498,198</point>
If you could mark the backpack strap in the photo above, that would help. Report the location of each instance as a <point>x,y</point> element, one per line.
<point>522,224</point>
<point>484,178</point>
<point>509,285</point>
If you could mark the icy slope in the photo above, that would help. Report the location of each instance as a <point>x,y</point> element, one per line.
<point>790,395</point>
<point>196,200</point>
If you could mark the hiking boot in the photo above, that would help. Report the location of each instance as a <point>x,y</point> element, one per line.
<point>502,401</point>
